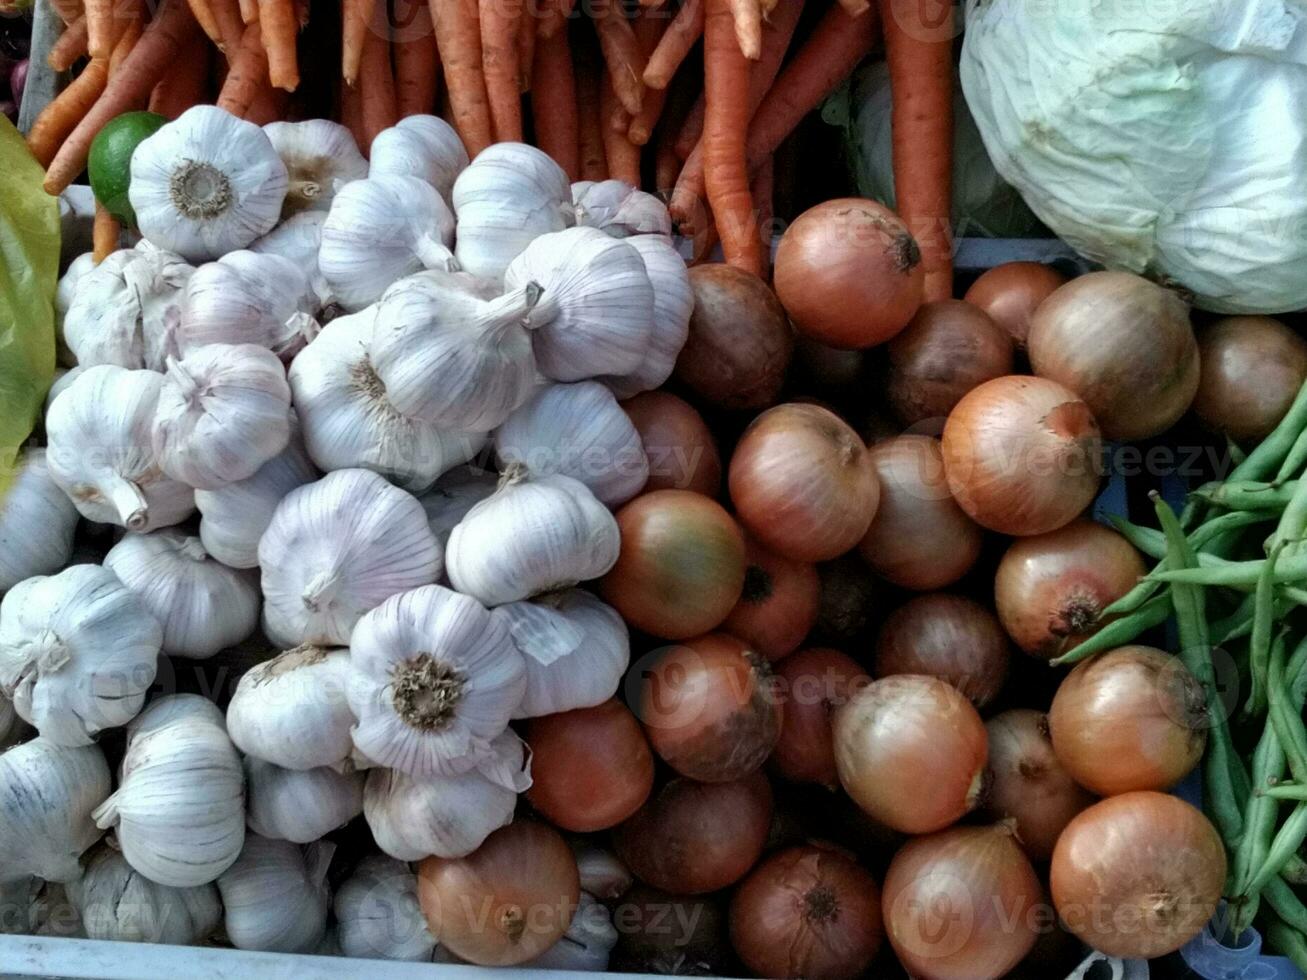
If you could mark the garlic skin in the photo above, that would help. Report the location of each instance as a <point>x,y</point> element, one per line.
<point>275,897</point>
<point>101,453</point>
<point>585,947</point>
<point>249,297</point>
<point>321,157</point>
<point>378,916</point>
<point>78,651</point>
<point>602,873</point>
<point>64,294</point>
<point>37,523</point>
<point>292,710</point>
<point>299,238</point>
<point>596,314</point>
<point>206,184</point>
<point>419,146</point>
<point>47,793</point>
<point>576,648</point>
<point>620,210</point>
<point>454,494</point>
<point>63,380</point>
<point>337,548</point>
<point>202,605</point>
<point>529,537</point>
<point>116,902</point>
<point>580,431</point>
<point>299,805</point>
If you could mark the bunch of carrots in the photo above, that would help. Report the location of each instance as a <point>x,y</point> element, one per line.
<point>608,88</point>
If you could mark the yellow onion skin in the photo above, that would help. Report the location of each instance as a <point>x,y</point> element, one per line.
<point>1252,368</point>
<point>1010,294</point>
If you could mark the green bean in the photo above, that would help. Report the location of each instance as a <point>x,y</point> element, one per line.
<point>1286,843</point>
<point>1259,820</point>
<point>1235,450</point>
<point>1272,451</point>
<point>1294,792</point>
<point>1242,575</point>
<point>1153,543</point>
<point>1247,495</point>
<point>1294,870</point>
<point>1119,632</point>
<point>1288,942</point>
<point>1296,460</point>
<point>1236,625</point>
<point>1286,903</point>
<point>1259,646</point>
<point>1293,522</point>
<point>1204,536</point>
<point>1145,539</point>
<point>1286,719</point>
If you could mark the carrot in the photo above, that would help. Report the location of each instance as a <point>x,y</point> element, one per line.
<point>590,122</point>
<point>554,103</point>
<point>71,46</point>
<point>458,35</point>
<point>417,63</point>
<point>351,114</point>
<point>747,17</point>
<point>622,54</point>
<point>763,190</point>
<point>855,8</point>
<point>208,20</point>
<point>677,41</point>
<point>104,234</point>
<point>499,20</point>
<point>227,16</point>
<point>622,155</point>
<point>247,75</point>
<point>58,119</point>
<point>667,166</point>
<point>377,86</point>
<point>124,45</point>
<point>249,11</point>
<point>68,10</point>
<point>553,17</point>
<point>526,50</point>
<point>648,31</point>
<point>356,17</point>
<point>187,85</point>
<point>279,27</point>
<point>100,28</point>
<point>268,106</point>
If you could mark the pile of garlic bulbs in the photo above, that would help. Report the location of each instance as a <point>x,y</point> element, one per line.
<point>369,413</point>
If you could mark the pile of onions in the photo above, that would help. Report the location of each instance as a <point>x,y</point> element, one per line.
<point>851,601</point>
<point>681,568</point>
<point>911,751</point>
<point>778,605</point>
<point>1251,370</point>
<point>1010,294</point>
<point>671,935</point>
<point>590,768</point>
<point>812,684</point>
<point>1124,345</point>
<point>1051,589</point>
<point>1138,875</point>
<point>681,450</point>
<point>1022,455</point>
<point>1131,719</point>
<point>802,483</point>
<point>710,709</point>
<point>849,273</point>
<point>692,838</point>
<point>949,637</point>
<point>807,912</point>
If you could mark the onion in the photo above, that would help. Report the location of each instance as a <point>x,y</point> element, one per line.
<point>506,902</point>
<point>948,637</point>
<point>681,450</point>
<point>590,768</point>
<point>740,342</point>
<point>1132,719</point>
<point>1051,589</point>
<point>807,912</point>
<point>1124,345</point>
<point>779,603</point>
<point>948,349</point>
<point>849,273</point>
<point>962,904</point>
<point>667,934</point>
<point>802,483</point>
<point>850,601</point>
<point>692,838</point>
<point>920,538</point>
<point>710,708</point>
<point>1138,875</point>
<point>812,684</point>
<point>1252,368</point>
<point>1027,783</point>
<point>828,370</point>
<point>681,567</point>
<point>1010,294</point>
<point>1022,455</point>
<point>910,750</point>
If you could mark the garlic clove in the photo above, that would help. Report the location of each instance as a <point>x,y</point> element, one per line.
<point>37,523</point>
<point>117,903</point>
<point>321,157</point>
<point>602,872</point>
<point>585,947</point>
<point>454,494</point>
<point>378,915</point>
<point>299,239</point>
<point>420,146</point>
<point>64,294</point>
<point>275,897</point>
<point>618,209</point>
<point>300,805</point>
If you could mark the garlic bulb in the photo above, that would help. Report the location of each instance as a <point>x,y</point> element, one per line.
<point>454,494</point>
<point>673,305</point>
<point>202,605</point>
<point>63,380</point>
<point>78,651</point>
<point>419,146</point>
<point>576,649</point>
<point>64,294</point>
<point>380,230</point>
<point>101,454</point>
<point>320,156</point>
<point>116,902</point>
<point>292,710</point>
<point>349,421</point>
<point>620,210</point>
<point>249,297</point>
<point>587,944</point>
<point>378,916</point>
<point>275,896</point>
<point>578,430</point>
<point>602,872</point>
<point>180,805</point>
<point>299,238</point>
<point>337,548</point>
<point>300,805</point>
<point>206,183</point>
<point>433,681</point>
<point>47,793</point>
<point>596,314</point>
<point>529,537</point>
<point>37,522</point>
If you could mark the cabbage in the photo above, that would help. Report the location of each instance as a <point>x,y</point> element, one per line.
<point>1166,137</point>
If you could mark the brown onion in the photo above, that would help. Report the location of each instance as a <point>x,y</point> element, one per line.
<point>1138,875</point>
<point>680,448</point>
<point>949,637</point>
<point>1022,455</point>
<point>1051,589</point>
<point>828,370</point>
<point>1124,345</point>
<point>1252,368</point>
<point>812,684</point>
<point>910,750</point>
<point>849,273</point>
<point>778,605</point>
<point>802,482</point>
<point>850,601</point>
<point>1134,718</point>
<point>962,904</point>
<point>1010,294</point>
<point>670,935</point>
<point>807,912</point>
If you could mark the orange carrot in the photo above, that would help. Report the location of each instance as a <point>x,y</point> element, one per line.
<point>855,8</point>
<point>61,117</point>
<point>763,189</point>
<point>677,41</point>
<point>187,85</point>
<point>553,16</point>
<point>71,46</point>
<point>351,114</point>
<point>279,26</point>
<point>208,20</point>
<point>68,10</point>
<point>356,17</point>
<point>554,103</point>
<point>590,122</point>
<point>249,11</point>
<point>377,86</point>
<point>666,167</point>
<point>499,20</point>
<point>248,73</point>
<point>124,45</point>
<point>104,234</point>
<point>747,16</point>
<point>100,28</point>
<point>417,63</point>
<point>458,35</point>
<point>622,54</point>
<point>622,155</point>
<point>648,31</point>
<point>268,106</point>
<point>526,49</point>
<point>227,16</point>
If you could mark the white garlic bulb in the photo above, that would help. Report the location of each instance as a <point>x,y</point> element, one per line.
<point>454,494</point>
<point>587,944</point>
<point>179,808</point>
<point>578,430</point>
<point>116,902</point>
<point>321,157</point>
<point>602,872</point>
<point>576,649</point>
<point>419,146</point>
<point>37,522</point>
<point>380,230</point>
<point>101,454</point>
<point>202,605</point>
<point>64,294</point>
<point>337,548</point>
<point>275,897</point>
<point>299,805</point>
<point>596,314</point>
<point>529,537</point>
<point>433,681</point>
<point>349,422</point>
<point>206,183</point>
<point>63,380</point>
<point>299,238</point>
<point>47,794</point>
<point>78,651</point>
<point>620,210</point>
<point>378,916</point>
<point>293,711</point>
<point>672,309</point>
